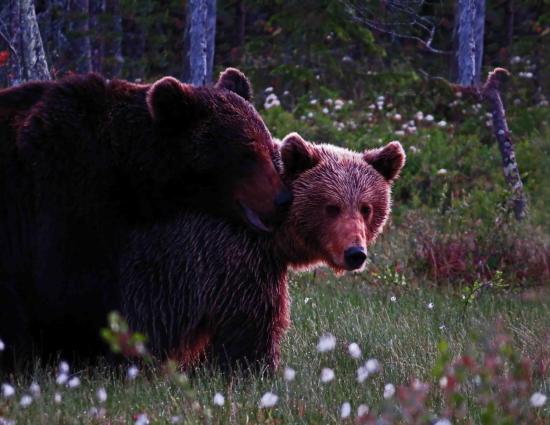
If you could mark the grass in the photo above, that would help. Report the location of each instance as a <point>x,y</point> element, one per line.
<point>403,335</point>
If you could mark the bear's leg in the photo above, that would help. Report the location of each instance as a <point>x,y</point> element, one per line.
<point>247,343</point>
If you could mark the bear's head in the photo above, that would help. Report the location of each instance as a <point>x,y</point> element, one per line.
<point>224,143</point>
<point>341,200</point>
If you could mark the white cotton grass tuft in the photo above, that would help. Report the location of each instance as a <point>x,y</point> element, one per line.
<point>372,365</point>
<point>2,345</point>
<point>101,394</point>
<point>354,350</point>
<point>8,390</point>
<point>74,382</point>
<point>362,374</point>
<point>443,382</point>
<point>25,401</point>
<point>269,399</point>
<point>389,391</point>
<point>537,399</point>
<point>327,342</point>
<point>219,399</point>
<point>345,410</point>
<point>61,379</point>
<point>57,398</point>
<point>64,367</point>
<point>443,421</point>
<point>34,389</point>
<point>142,419</point>
<point>132,373</point>
<point>430,306</point>
<point>289,374</point>
<point>327,375</point>
<point>362,410</point>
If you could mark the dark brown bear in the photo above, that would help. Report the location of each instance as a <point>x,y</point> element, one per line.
<point>85,161</point>
<point>205,289</point>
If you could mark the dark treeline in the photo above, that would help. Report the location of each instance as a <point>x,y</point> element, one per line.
<point>144,39</point>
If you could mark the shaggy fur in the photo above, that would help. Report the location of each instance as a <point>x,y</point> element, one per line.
<point>205,289</point>
<point>84,162</point>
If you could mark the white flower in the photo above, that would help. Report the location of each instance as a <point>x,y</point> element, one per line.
<point>35,389</point>
<point>61,378</point>
<point>419,116</point>
<point>397,117</point>
<point>537,399</point>
<point>310,114</point>
<point>57,398</point>
<point>441,171</point>
<point>327,375</point>
<point>443,382</point>
<point>362,374</point>
<point>313,102</point>
<point>325,110</point>
<point>64,367</point>
<point>442,123</point>
<point>101,395</point>
<point>25,401</point>
<point>74,382</point>
<point>142,419</point>
<point>362,410</point>
<point>338,104</point>
<point>414,149</point>
<point>7,390</point>
<point>372,365</point>
<point>4,421</point>
<point>271,101</point>
<point>442,327</point>
<point>393,298</point>
<point>175,419</point>
<point>372,106</point>
<point>354,350</point>
<point>269,90</point>
<point>2,345</point>
<point>515,59</point>
<point>430,306</point>
<point>443,421</point>
<point>345,411</point>
<point>526,75</point>
<point>326,343</point>
<point>289,374</point>
<point>133,372</point>
<point>389,391</point>
<point>429,118</point>
<point>400,133</point>
<point>269,400</point>
<point>219,399</point>
<point>381,98</point>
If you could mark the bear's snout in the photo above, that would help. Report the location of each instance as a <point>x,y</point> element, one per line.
<point>355,257</point>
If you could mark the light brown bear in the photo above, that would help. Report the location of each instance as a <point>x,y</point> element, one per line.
<point>207,289</point>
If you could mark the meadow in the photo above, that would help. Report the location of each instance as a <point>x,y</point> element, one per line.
<point>412,332</point>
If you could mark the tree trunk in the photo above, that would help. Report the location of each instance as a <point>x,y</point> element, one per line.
<point>210,38</point>
<point>114,59</point>
<point>82,48</point>
<point>468,34</point>
<point>28,61</point>
<point>97,11</point>
<point>199,41</point>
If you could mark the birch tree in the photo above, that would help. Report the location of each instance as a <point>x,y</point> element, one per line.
<point>199,41</point>
<point>27,57</point>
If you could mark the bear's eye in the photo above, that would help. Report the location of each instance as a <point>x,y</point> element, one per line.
<point>332,210</point>
<point>365,210</point>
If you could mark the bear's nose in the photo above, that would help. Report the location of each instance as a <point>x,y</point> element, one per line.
<point>284,198</point>
<point>354,257</point>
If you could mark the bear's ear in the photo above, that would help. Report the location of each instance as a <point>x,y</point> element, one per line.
<point>234,80</point>
<point>388,160</point>
<point>169,101</point>
<point>297,155</point>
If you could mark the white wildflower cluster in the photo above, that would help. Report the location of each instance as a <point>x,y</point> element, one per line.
<point>327,375</point>
<point>219,399</point>
<point>389,391</point>
<point>142,419</point>
<point>271,101</point>
<point>289,374</point>
<point>326,343</point>
<point>525,74</point>
<point>269,399</point>
<point>538,399</point>
<point>354,350</point>
<point>370,367</point>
